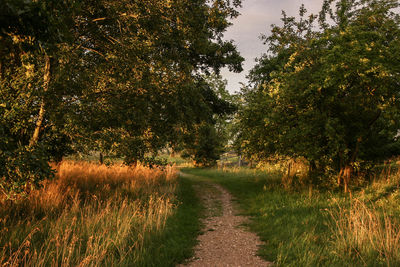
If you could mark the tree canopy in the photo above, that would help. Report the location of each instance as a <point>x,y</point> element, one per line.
<point>120,76</point>
<point>328,88</point>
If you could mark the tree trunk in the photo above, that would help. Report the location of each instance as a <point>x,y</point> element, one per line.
<point>311,168</point>
<point>134,163</point>
<point>289,169</point>
<point>348,170</point>
<point>39,122</point>
<point>340,176</point>
<point>101,158</point>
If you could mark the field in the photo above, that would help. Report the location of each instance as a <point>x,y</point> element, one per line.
<point>105,105</point>
<point>92,215</point>
<point>317,228</point>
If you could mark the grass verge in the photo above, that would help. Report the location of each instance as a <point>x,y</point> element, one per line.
<point>175,244</point>
<point>318,228</point>
<point>93,215</point>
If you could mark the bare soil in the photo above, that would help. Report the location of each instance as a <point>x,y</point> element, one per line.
<point>225,241</point>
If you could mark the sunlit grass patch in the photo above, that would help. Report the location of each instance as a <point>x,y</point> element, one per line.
<point>88,215</point>
<point>367,233</point>
<point>324,228</point>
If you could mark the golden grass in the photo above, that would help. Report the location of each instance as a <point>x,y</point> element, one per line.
<point>89,215</point>
<point>365,231</point>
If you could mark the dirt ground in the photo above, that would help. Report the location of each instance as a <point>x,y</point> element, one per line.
<point>224,242</point>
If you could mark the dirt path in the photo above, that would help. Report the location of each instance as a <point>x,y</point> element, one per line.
<point>224,242</point>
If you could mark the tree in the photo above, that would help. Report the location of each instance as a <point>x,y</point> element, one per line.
<point>114,76</point>
<point>148,86</point>
<point>30,32</point>
<point>207,140</point>
<point>329,95</point>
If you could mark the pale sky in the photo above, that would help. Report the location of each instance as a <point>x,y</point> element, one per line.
<point>256,19</point>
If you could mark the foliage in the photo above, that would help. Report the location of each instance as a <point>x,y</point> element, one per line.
<point>23,168</point>
<point>208,139</point>
<point>73,219</point>
<point>118,77</point>
<point>328,94</point>
<point>152,103</point>
<point>29,36</point>
<point>321,228</point>
<point>205,147</point>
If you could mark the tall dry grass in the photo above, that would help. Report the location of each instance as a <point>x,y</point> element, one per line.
<point>89,215</point>
<point>367,233</point>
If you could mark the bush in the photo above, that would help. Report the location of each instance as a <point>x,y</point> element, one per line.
<point>22,170</point>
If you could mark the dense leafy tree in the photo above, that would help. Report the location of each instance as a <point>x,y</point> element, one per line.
<point>149,93</point>
<point>30,34</point>
<point>328,94</point>
<point>208,138</point>
<point>113,76</point>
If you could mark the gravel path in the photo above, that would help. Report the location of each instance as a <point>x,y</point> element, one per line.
<point>224,242</point>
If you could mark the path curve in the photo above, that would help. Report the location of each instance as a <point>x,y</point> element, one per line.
<point>224,242</point>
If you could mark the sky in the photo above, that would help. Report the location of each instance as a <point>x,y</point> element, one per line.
<point>256,19</point>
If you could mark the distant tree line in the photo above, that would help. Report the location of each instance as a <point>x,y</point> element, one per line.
<point>123,77</point>
<point>327,90</point>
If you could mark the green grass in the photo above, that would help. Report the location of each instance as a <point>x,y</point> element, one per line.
<point>176,242</point>
<point>92,215</point>
<point>177,160</point>
<point>300,229</point>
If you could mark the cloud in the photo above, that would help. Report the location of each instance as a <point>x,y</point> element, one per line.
<point>256,19</point>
